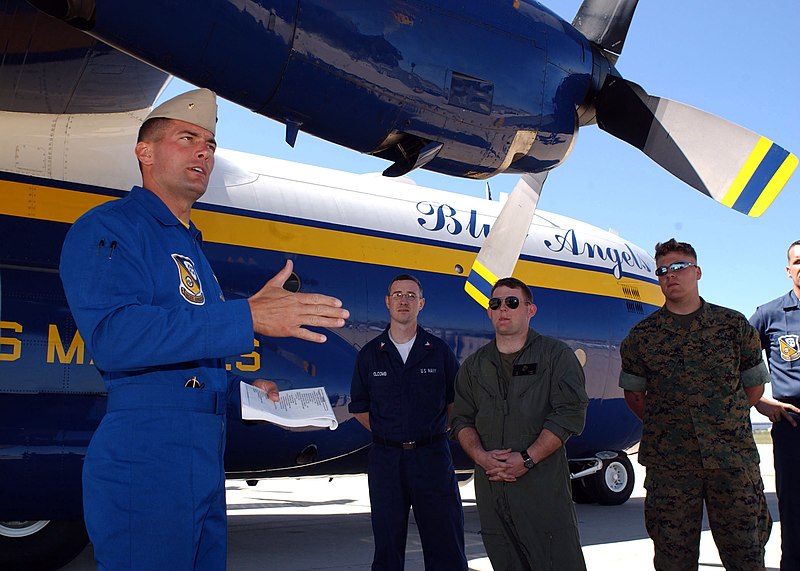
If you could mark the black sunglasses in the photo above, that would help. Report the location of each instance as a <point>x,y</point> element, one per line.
<point>676,267</point>
<point>512,302</point>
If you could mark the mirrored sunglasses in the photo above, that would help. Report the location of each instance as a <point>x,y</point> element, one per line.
<point>676,267</point>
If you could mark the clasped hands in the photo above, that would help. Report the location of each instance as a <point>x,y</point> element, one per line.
<point>503,465</point>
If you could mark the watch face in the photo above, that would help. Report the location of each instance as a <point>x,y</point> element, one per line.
<point>527,461</point>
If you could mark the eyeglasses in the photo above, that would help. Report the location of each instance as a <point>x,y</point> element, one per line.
<point>676,267</point>
<point>512,302</point>
<point>398,295</point>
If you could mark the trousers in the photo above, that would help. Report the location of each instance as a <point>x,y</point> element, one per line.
<point>786,454</point>
<point>154,490</point>
<point>737,514</point>
<point>424,479</point>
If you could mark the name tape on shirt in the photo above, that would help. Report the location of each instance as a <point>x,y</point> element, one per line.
<point>524,369</point>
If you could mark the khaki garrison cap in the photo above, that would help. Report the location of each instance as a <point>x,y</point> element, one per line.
<point>198,107</point>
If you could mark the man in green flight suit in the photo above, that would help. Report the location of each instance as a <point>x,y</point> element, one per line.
<point>691,371</point>
<point>517,400</point>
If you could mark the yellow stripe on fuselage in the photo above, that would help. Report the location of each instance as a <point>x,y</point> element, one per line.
<point>46,203</point>
<point>59,205</point>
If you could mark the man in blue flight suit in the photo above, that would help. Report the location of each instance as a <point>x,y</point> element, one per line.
<point>402,391</point>
<point>147,303</point>
<point>778,326</point>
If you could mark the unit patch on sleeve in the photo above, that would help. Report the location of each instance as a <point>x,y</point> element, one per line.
<point>189,282</point>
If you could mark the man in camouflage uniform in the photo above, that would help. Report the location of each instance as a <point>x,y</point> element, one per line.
<point>691,371</point>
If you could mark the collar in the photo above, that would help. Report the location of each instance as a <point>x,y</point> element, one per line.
<point>532,335</point>
<point>666,320</point>
<point>790,301</point>
<point>422,339</point>
<point>158,210</point>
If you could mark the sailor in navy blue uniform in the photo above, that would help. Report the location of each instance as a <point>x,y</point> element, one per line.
<point>149,307</point>
<point>778,325</point>
<point>402,391</point>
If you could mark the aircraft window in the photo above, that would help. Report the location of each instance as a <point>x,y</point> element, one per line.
<point>459,269</point>
<point>293,283</point>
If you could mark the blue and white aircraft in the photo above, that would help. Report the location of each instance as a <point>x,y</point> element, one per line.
<point>70,106</point>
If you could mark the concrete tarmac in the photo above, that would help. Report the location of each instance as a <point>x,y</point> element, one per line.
<point>324,524</point>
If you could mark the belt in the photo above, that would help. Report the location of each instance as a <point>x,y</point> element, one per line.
<point>795,401</point>
<point>411,445</point>
<point>147,396</point>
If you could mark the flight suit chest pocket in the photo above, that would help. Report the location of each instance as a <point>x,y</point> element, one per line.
<point>529,391</point>
<point>526,378</point>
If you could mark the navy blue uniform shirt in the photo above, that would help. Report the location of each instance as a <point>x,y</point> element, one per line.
<point>145,299</point>
<point>405,401</point>
<point>778,326</point>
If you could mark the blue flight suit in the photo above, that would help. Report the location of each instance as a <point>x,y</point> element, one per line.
<point>778,326</point>
<point>407,403</point>
<point>153,317</point>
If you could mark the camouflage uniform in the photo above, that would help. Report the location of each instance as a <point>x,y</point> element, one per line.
<point>697,441</point>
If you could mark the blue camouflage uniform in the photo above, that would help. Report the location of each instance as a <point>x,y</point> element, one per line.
<point>410,463</point>
<point>778,326</point>
<point>150,309</point>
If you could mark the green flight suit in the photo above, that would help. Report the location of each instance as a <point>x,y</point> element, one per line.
<point>529,524</point>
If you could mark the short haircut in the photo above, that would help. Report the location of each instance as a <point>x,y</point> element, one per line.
<point>672,245</point>
<point>152,129</point>
<point>789,250</point>
<point>514,283</point>
<point>403,277</point>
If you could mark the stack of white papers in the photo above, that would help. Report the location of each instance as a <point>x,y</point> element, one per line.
<point>296,408</point>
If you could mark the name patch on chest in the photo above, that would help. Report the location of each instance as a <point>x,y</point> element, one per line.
<point>189,284</point>
<point>379,373</point>
<point>428,371</point>
<point>524,369</point>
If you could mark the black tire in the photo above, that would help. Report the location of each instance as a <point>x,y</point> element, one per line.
<point>580,493</point>
<point>612,485</point>
<point>40,546</point>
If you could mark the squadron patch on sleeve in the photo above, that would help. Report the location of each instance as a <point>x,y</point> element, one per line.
<point>189,282</point>
<point>790,348</point>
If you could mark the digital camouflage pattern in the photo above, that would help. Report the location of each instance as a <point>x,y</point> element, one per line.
<point>737,513</point>
<point>697,414</point>
<point>697,441</point>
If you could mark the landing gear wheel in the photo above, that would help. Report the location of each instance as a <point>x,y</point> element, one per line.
<point>40,545</point>
<point>613,484</point>
<point>580,493</point>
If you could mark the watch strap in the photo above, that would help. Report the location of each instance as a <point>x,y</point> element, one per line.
<point>527,461</point>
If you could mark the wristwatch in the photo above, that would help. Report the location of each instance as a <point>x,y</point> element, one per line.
<point>527,461</point>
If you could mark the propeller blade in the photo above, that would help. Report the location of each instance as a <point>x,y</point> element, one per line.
<point>605,23</point>
<point>501,249</point>
<point>736,167</point>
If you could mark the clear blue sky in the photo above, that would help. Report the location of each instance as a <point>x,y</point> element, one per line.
<point>734,58</point>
